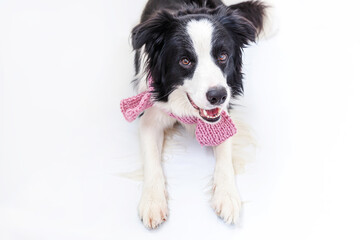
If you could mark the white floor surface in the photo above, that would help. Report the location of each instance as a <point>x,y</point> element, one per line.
<point>65,65</point>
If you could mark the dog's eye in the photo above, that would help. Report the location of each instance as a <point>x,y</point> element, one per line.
<point>185,62</point>
<point>222,57</point>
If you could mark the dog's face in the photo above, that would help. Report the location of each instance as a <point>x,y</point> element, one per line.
<point>194,58</point>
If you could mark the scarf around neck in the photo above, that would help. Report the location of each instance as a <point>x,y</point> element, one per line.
<point>207,134</point>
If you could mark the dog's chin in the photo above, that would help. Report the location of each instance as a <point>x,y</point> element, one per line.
<point>208,115</point>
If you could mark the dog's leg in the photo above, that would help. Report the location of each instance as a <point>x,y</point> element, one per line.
<point>153,209</point>
<point>225,199</point>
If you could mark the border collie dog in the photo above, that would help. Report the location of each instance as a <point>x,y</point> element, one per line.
<point>189,53</point>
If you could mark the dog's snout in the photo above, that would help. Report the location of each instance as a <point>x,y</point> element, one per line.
<point>216,95</point>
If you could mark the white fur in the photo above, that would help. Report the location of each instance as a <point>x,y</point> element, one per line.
<point>142,74</point>
<point>153,208</point>
<point>178,104</point>
<point>225,200</point>
<point>207,74</point>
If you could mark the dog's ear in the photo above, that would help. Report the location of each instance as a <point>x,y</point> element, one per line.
<point>153,31</point>
<point>253,11</point>
<point>243,20</point>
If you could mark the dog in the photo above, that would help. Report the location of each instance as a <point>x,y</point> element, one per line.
<point>188,64</point>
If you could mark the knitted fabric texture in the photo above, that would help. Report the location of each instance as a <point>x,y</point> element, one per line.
<point>133,106</point>
<point>211,134</point>
<point>207,134</point>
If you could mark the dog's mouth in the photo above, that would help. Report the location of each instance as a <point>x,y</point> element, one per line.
<point>211,115</point>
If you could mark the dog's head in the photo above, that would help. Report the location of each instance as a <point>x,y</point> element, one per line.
<point>195,56</point>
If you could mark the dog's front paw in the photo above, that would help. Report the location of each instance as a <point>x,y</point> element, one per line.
<point>153,209</point>
<point>227,203</point>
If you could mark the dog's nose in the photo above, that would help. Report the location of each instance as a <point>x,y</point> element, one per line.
<point>216,95</point>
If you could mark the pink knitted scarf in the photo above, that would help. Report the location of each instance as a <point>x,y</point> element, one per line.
<point>207,134</point>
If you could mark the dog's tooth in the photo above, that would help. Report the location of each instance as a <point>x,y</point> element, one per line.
<point>205,113</point>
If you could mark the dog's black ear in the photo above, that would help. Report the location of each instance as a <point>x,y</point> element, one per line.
<point>244,20</point>
<point>153,31</point>
<point>253,11</point>
<point>239,27</point>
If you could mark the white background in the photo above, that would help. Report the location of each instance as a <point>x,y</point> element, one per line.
<point>65,65</point>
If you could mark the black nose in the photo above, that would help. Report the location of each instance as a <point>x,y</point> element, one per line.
<point>216,95</point>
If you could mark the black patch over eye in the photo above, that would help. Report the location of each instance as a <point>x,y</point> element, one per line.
<point>223,57</point>
<point>185,62</point>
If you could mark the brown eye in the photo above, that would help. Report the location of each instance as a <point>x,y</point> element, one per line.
<point>185,62</point>
<point>223,57</point>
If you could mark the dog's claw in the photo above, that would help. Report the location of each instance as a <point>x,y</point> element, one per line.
<point>153,209</point>
<point>227,204</point>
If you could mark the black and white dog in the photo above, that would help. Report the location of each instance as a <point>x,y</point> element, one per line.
<point>193,51</point>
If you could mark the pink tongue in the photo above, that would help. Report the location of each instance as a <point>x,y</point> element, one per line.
<point>212,112</point>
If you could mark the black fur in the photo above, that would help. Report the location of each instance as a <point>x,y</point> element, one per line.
<point>254,11</point>
<point>162,31</point>
<point>155,5</point>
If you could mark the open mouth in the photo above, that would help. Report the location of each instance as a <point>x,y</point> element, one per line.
<point>211,115</point>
